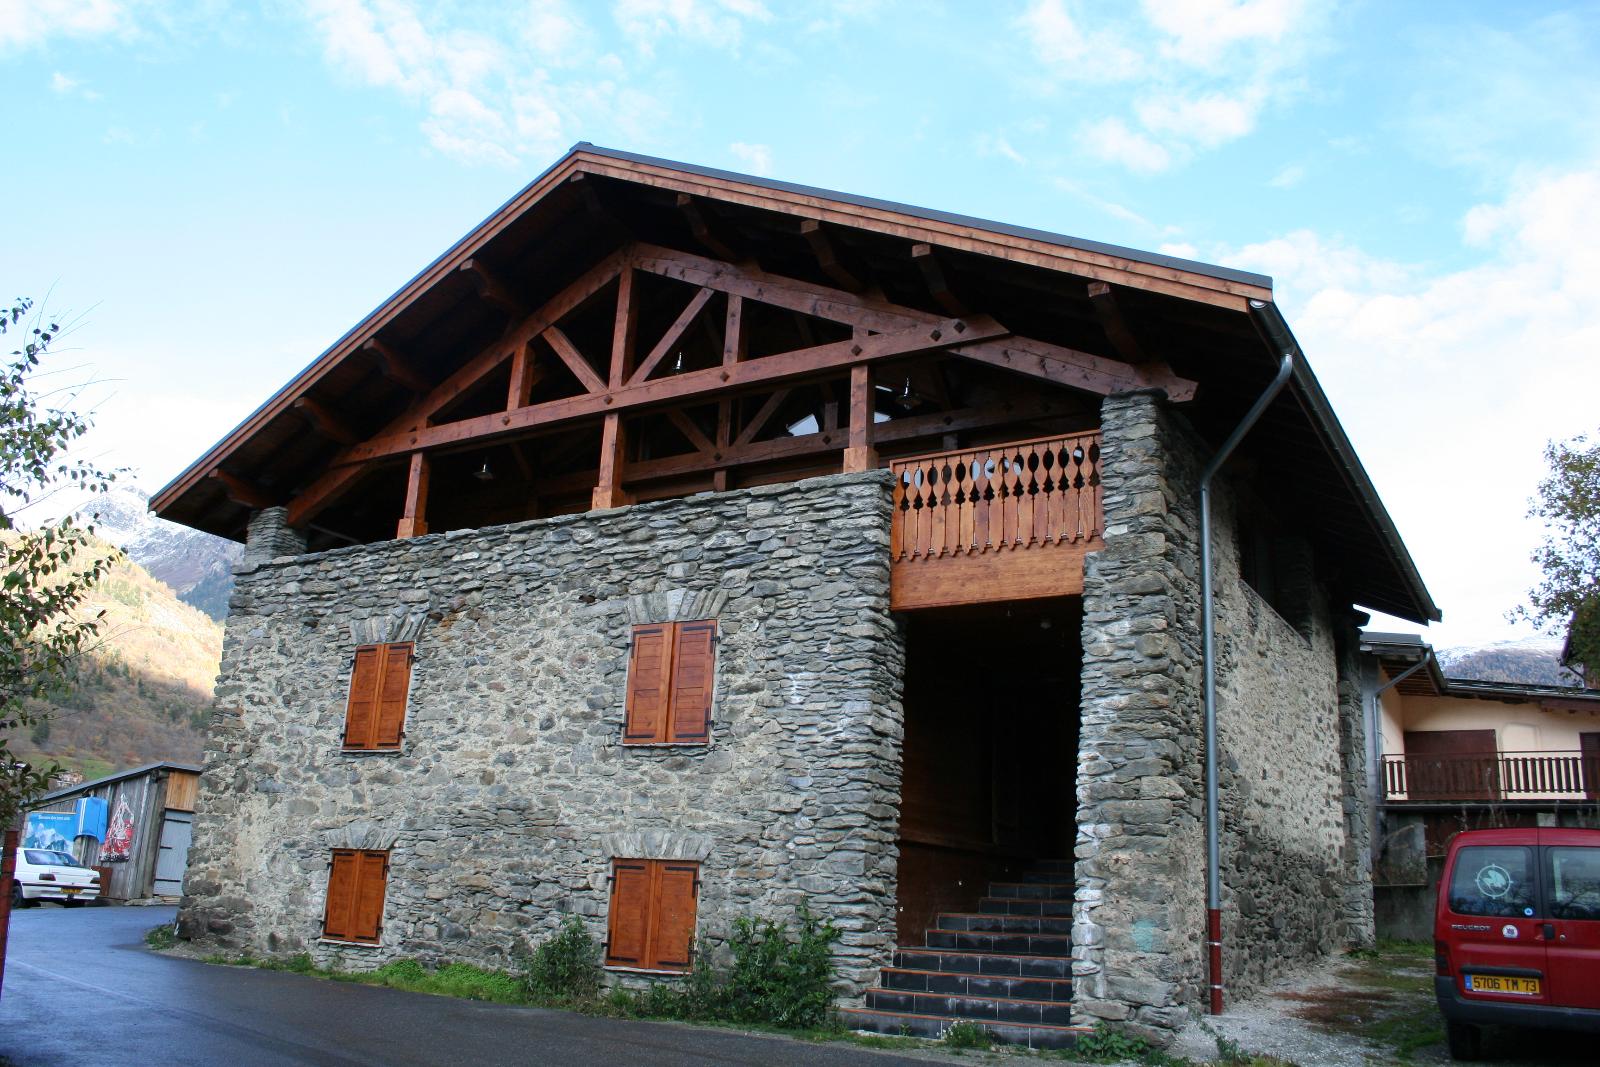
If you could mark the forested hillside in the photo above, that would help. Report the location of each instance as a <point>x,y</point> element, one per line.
<point>143,693</point>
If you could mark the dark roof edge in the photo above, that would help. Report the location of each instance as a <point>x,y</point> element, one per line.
<point>1411,647</point>
<point>1156,259</point>
<point>84,787</point>
<point>1310,390</point>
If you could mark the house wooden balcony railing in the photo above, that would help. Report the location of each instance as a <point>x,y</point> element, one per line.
<point>1005,522</point>
<point>1492,776</point>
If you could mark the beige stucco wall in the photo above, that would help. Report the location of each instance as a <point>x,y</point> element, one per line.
<point>1521,726</point>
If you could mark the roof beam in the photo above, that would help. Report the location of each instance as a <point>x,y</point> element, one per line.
<point>830,256</point>
<point>493,289</point>
<point>674,333</point>
<point>1115,324</point>
<point>711,236</point>
<point>569,354</point>
<point>242,491</point>
<point>323,420</point>
<point>933,276</point>
<point>396,367</point>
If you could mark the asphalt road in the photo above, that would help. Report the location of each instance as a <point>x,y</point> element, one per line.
<point>81,990</point>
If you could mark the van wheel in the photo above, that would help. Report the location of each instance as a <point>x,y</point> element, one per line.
<point>18,901</point>
<point>1466,1042</point>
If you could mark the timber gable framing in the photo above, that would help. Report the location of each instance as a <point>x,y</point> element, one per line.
<point>884,332</point>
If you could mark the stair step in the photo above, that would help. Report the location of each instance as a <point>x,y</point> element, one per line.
<point>994,964</point>
<point>998,941</point>
<point>1063,866</point>
<point>1010,906</point>
<point>980,1009</point>
<point>1010,924</point>
<point>934,1026</point>
<point>1033,890</point>
<point>1037,874</point>
<point>977,985</point>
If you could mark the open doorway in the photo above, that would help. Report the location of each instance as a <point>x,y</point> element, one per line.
<point>989,766</point>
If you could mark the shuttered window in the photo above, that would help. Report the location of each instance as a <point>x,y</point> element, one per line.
<point>375,716</point>
<point>652,914</point>
<point>357,880</point>
<point>671,679</point>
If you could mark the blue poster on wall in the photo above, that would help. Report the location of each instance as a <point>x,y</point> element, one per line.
<point>91,818</point>
<point>50,829</point>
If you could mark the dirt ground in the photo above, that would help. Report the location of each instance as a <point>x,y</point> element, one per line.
<point>1367,1008</point>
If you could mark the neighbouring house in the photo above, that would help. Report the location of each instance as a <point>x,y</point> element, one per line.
<point>681,546</point>
<point>134,826</point>
<point>1457,754</point>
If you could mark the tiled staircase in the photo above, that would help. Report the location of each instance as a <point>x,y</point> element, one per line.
<point>1006,967</point>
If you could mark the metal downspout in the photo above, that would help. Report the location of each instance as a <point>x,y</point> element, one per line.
<point>1208,657</point>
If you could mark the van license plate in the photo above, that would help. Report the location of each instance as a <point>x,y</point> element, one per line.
<point>1498,983</point>
<point>71,890</point>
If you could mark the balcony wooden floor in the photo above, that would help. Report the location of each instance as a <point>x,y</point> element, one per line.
<point>1006,522</point>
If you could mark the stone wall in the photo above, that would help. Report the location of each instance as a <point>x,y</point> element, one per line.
<point>513,791</point>
<point>1139,918</point>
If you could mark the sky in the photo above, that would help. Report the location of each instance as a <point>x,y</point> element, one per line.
<point>213,193</point>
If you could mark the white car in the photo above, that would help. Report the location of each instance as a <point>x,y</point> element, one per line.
<point>46,874</point>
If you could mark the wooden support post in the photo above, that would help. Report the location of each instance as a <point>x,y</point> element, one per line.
<point>524,376</point>
<point>733,335</point>
<point>1115,324</point>
<point>8,868</point>
<point>325,422</point>
<point>829,258</point>
<point>397,368</point>
<point>414,520</point>
<point>924,256</point>
<point>623,330</point>
<point>608,492</point>
<point>719,476</point>
<point>859,455</point>
<point>493,289</point>
<point>702,225</point>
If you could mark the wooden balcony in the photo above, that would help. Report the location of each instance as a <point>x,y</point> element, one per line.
<point>1492,776</point>
<point>1005,522</point>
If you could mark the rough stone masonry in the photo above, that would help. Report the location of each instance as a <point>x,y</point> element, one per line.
<point>513,792</point>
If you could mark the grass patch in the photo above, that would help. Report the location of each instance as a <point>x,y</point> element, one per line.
<point>160,937</point>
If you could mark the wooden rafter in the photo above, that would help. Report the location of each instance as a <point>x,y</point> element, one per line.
<point>674,334</point>
<point>325,421</point>
<point>242,491</point>
<point>825,248</point>
<point>763,415</point>
<point>859,454</point>
<point>711,236</point>
<point>1115,323</point>
<point>397,367</point>
<point>493,289</point>
<point>686,426</point>
<point>734,334</point>
<point>568,352</point>
<point>414,517</point>
<point>933,276</point>
<point>624,329</point>
<point>525,374</point>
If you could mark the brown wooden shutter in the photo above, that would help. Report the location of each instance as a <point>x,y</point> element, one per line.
<point>394,683</point>
<point>371,883</point>
<point>627,938</point>
<point>649,672</point>
<point>342,875</point>
<point>361,713</point>
<point>673,928</point>
<point>693,662</point>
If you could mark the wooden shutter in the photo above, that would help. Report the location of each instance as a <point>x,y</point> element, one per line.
<point>649,672</point>
<point>372,880</point>
<point>361,713</point>
<point>672,937</point>
<point>393,685</point>
<point>628,934</point>
<point>342,875</point>
<point>693,662</point>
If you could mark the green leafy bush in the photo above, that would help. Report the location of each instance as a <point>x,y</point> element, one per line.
<point>967,1034</point>
<point>1110,1046</point>
<point>777,980</point>
<point>565,965</point>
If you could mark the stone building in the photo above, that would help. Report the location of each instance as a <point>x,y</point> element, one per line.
<point>682,545</point>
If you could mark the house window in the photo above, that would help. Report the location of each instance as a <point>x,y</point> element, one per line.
<point>357,879</point>
<point>375,717</point>
<point>670,683</point>
<point>652,914</point>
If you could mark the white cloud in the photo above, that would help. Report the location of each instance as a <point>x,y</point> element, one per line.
<point>1198,74</point>
<point>60,83</point>
<point>25,23</point>
<point>1111,140</point>
<point>1288,177</point>
<point>994,144</point>
<point>758,157</point>
<point>718,23</point>
<point>1451,382</point>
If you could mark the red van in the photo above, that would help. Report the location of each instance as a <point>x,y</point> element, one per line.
<point>1517,933</point>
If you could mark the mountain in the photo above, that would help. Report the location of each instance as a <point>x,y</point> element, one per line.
<point>143,692</point>
<point>1531,661</point>
<point>197,566</point>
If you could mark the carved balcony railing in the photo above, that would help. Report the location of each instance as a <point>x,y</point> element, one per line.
<point>1005,522</point>
<point>1492,776</point>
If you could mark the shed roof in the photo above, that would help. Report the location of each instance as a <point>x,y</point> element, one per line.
<point>110,779</point>
<point>1215,325</point>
